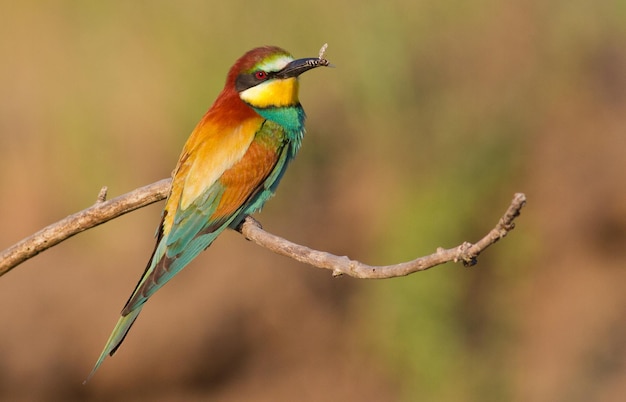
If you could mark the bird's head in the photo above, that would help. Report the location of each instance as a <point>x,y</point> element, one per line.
<point>267,77</point>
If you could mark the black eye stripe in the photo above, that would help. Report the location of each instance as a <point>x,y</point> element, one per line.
<point>249,80</point>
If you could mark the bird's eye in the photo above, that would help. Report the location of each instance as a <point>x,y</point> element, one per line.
<point>260,75</point>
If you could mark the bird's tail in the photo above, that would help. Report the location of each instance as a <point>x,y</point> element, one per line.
<point>116,338</point>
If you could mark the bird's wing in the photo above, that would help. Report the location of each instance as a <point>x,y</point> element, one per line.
<point>195,215</point>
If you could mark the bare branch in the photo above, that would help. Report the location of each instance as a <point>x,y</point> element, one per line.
<point>466,252</point>
<point>103,211</point>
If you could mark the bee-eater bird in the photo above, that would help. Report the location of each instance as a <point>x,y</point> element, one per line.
<point>229,167</point>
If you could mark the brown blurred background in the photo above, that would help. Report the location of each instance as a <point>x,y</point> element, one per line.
<point>436,113</point>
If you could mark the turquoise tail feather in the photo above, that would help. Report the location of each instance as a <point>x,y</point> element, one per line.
<point>117,336</point>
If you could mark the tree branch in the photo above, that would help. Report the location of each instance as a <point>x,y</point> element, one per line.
<point>466,252</point>
<point>103,211</point>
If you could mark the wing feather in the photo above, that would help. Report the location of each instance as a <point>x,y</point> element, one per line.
<point>192,225</point>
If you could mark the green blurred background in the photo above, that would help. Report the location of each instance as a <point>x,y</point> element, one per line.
<point>436,113</point>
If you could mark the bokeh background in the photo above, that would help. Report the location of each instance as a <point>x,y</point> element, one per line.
<point>436,113</point>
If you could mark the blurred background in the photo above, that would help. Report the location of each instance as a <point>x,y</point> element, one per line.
<point>436,113</point>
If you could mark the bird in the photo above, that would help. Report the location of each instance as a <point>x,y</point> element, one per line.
<point>229,167</point>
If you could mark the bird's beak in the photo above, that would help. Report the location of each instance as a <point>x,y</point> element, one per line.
<point>297,67</point>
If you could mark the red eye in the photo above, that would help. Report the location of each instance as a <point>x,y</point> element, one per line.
<point>260,75</point>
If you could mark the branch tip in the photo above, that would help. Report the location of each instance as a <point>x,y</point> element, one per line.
<point>102,195</point>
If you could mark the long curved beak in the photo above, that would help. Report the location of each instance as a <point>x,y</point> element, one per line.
<point>297,67</point>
